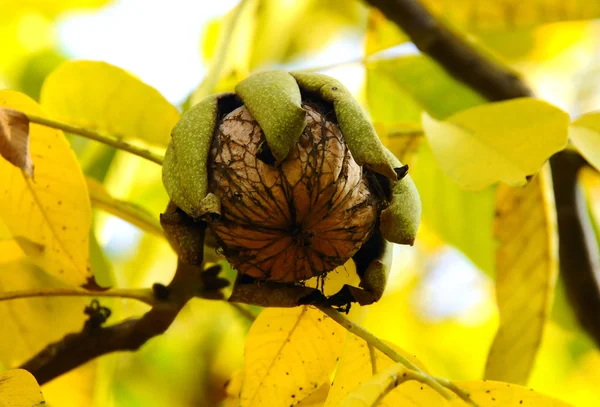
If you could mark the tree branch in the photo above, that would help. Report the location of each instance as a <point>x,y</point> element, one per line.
<point>112,141</point>
<point>452,51</point>
<point>95,340</point>
<point>438,384</point>
<point>143,295</point>
<point>579,251</point>
<point>496,83</point>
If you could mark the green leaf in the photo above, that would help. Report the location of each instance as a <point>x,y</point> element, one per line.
<point>427,83</point>
<point>502,141</point>
<point>18,388</point>
<point>585,134</point>
<point>461,218</point>
<point>104,97</point>
<point>290,353</point>
<point>50,216</point>
<point>526,273</point>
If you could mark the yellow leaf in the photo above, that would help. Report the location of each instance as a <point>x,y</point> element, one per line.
<point>488,393</point>
<point>358,364</point>
<point>585,134</point>
<point>289,353</point>
<point>104,97</point>
<point>132,213</point>
<point>501,141</point>
<point>526,272</point>
<point>50,216</point>
<point>414,393</point>
<point>10,251</point>
<point>28,325</point>
<point>381,33</point>
<point>502,14</point>
<point>18,388</point>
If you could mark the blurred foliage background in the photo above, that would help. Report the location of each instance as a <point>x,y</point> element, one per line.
<point>440,301</point>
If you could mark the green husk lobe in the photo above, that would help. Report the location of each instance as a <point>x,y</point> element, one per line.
<point>359,133</point>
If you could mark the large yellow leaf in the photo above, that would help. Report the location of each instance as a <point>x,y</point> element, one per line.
<point>48,216</point>
<point>18,388</point>
<point>104,97</point>
<point>501,141</point>
<point>526,272</point>
<point>503,14</point>
<point>10,251</point>
<point>358,364</point>
<point>28,325</point>
<point>289,354</point>
<point>585,134</point>
<point>414,393</point>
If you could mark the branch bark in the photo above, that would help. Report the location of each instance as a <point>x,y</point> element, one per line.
<point>495,82</point>
<point>95,340</point>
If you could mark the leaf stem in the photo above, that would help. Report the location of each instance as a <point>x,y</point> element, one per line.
<point>112,141</point>
<point>438,385</point>
<point>144,295</point>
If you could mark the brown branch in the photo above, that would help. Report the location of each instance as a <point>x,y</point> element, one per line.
<point>579,251</point>
<point>95,340</point>
<point>496,82</point>
<point>75,349</point>
<point>452,51</point>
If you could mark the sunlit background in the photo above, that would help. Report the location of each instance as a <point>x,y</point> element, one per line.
<point>439,304</point>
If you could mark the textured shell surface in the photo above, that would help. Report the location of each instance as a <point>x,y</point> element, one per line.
<point>292,221</point>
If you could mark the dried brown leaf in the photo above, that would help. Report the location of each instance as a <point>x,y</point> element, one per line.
<point>14,139</point>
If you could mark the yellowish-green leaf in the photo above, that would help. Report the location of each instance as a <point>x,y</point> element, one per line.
<point>422,81</point>
<point>585,134</point>
<point>502,141</point>
<point>397,91</point>
<point>289,353</point>
<point>358,364</point>
<point>452,212</point>
<point>28,325</point>
<point>132,213</point>
<point>104,97</point>
<point>14,139</point>
<point>526,272</point>
<point>18,388</point>
<point>503,14</point>
<point>402,139</point>
<point>381,33</point>
<point>50,217</point>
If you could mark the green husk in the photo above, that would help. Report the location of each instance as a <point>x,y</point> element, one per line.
<point>359,133</point>
<point>400,220</point>
<point>184,170</point>
<point>273,98</point>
